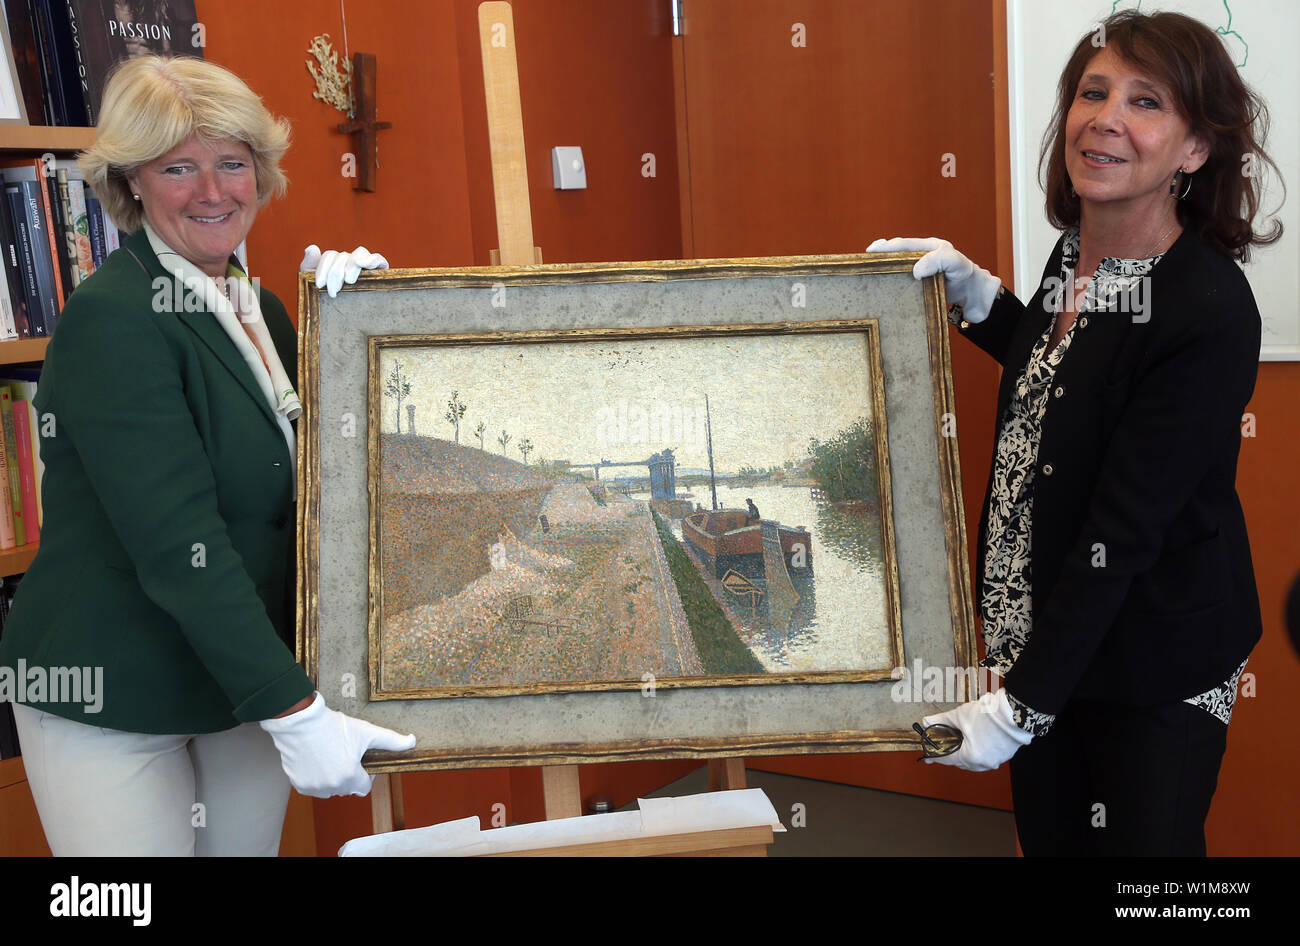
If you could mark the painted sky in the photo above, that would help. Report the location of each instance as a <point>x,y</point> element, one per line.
<point>622,401</point>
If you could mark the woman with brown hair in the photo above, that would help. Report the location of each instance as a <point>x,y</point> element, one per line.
<point>1116,587</point>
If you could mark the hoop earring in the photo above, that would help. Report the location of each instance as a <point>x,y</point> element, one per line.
<point>1173,185</point>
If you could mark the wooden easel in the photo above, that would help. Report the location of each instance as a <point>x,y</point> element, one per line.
<point>560,788</point>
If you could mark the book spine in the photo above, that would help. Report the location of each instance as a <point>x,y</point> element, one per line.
<point>27,58</point>
<point>37,462</point>
<point>61,204</point>
<point>79,62</point>
<point>59,229</point>
<point>21,384</point>
<point>12,271</point>
<point>7,538</point>
<point>9,300</point>
<point>112,236</point>
<point>80,227</point>
<point>8,327</point>
<point>42,258</point>
<point>65,61</point>
<point>49,66</point>
<point>95,222</point>
<point>26,469</point>
<point>11,456</point>
<point>29,315</point>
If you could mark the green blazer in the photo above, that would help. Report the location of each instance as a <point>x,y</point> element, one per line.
<point>167,551</point>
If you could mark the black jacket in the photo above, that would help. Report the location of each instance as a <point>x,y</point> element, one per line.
<point>1143,586</point>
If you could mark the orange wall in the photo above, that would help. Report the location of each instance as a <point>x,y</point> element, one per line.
<point>419,215</point>
<point>1254,810</point>
<point>595,74</point>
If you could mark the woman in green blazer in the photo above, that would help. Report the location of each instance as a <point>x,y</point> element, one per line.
<point>164,587</point>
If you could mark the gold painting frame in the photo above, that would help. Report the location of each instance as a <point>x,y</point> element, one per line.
<point>960,648</point>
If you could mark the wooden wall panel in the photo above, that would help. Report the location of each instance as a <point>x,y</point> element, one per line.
<point>595,74</point>
<point>419,214</point>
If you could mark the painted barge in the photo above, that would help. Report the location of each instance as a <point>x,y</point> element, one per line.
<point>731,539</point>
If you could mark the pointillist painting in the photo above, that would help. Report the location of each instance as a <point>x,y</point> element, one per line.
<point>571,513</point>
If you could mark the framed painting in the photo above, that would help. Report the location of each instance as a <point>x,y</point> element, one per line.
<point>576,512</point>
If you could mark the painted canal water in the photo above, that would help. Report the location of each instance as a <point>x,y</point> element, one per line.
<point>831,616</point>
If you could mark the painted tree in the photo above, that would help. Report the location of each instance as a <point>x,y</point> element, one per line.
<point>525,447</point>
<point>398,388</point>
<point>455,411</point>
<point>503,440</point>
<point>481,432</point>
<point>844,467</point>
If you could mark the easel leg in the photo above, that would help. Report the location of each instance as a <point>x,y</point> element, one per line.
<point>561,792</point>
<point>726,775</point>
<point>387,810</point>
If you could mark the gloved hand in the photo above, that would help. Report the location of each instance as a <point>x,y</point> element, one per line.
<point>964,283</point>
<point>990,735</point>
<point>334,268</point>
<point>321,749</point>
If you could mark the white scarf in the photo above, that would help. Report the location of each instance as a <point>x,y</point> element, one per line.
<point>241,306</point>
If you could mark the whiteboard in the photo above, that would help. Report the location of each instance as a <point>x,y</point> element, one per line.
<point>1261,36</point>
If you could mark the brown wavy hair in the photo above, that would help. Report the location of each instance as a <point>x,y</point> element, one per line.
<point>1190,60</point>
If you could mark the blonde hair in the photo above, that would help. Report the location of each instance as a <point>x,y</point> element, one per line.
<point>153,103</point>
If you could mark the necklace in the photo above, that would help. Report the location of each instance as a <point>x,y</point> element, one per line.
<point>1161,240</point>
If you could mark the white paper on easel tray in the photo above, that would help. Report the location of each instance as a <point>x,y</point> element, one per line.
<point>711,811</point>
<point>450,839</point>
<point>564,832</point>
<point>657,817</point>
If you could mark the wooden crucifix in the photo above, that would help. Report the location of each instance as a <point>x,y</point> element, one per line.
<point>363,125</point>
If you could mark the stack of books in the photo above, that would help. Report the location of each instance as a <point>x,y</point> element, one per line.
<point>54,234</point>
<point>64,50</point>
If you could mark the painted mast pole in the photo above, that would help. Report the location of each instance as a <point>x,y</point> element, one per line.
<point>708,426</point>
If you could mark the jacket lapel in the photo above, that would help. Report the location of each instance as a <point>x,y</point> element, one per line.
<point>194,314</point>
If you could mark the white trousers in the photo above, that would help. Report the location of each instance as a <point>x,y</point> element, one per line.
<point>104,792</point>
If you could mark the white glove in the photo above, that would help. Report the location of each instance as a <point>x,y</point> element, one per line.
<point>333,269</point>
<point>964,283</point>
<point>990,735</point>
<point>321,749</point>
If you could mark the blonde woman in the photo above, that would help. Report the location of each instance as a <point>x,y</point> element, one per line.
<point>165,566</point>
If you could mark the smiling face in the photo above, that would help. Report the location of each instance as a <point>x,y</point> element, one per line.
<point>200,199</point>
<point>1124,139</point>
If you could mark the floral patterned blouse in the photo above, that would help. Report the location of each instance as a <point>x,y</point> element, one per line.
<point>1006,607</point>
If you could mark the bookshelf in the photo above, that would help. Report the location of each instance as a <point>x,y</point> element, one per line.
<point>37,139</point>
<point>28,141</point>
